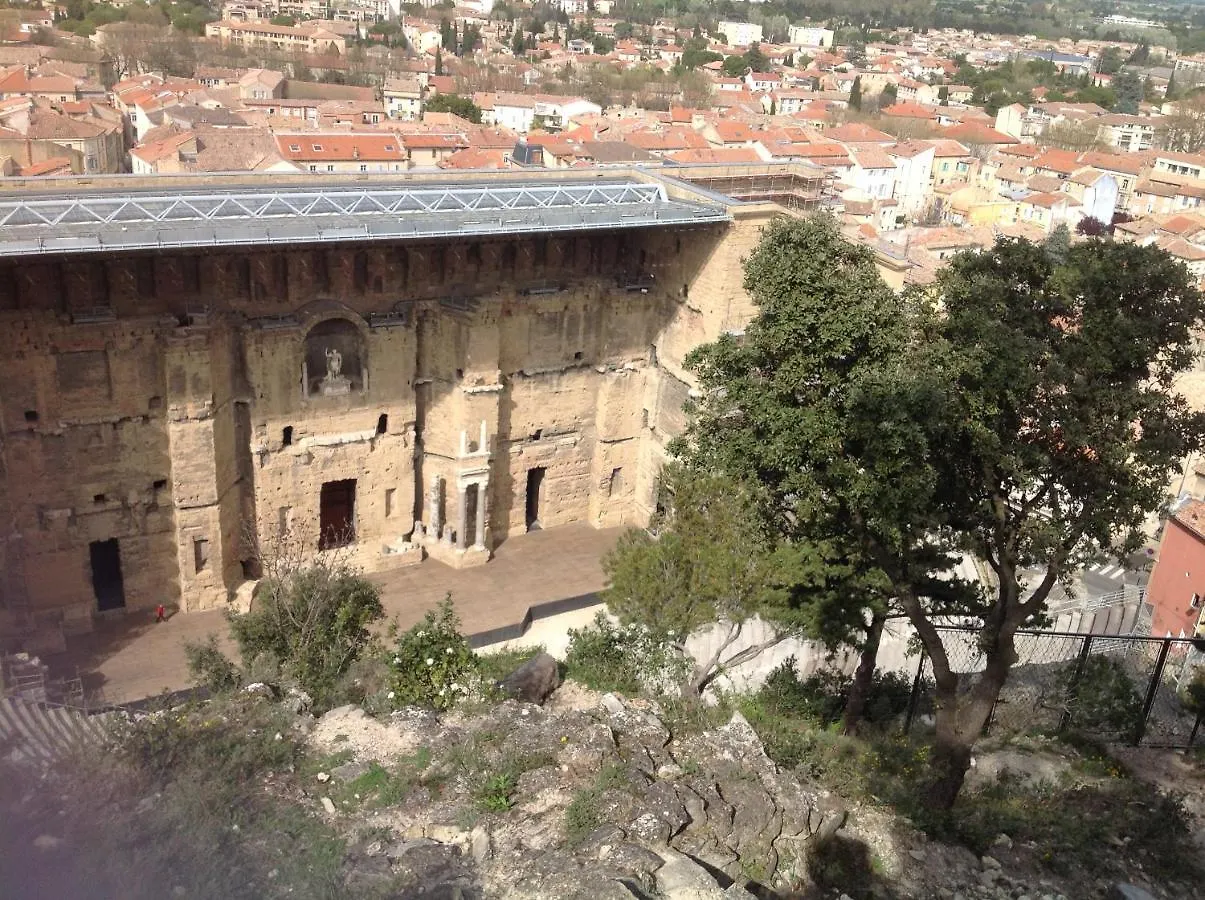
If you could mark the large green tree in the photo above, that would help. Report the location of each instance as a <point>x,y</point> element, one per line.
<point>1022,410</point>
<point>455,104</point>
<point>708,560</point>
<point>788,394</point>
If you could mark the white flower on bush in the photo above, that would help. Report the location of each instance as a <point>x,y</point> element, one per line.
<point>397,660</point>
<point>448,651</point>
<point>442,691</point>
<point>430,661</point>
<point>392,695</point>
<point>420,634</point>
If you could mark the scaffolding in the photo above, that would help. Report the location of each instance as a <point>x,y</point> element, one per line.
<point>795,186</point>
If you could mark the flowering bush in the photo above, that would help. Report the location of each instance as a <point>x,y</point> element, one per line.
<point>432,664</point>
<point>627,658</point>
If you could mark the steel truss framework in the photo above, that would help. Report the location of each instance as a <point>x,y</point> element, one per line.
<point>114,221</point>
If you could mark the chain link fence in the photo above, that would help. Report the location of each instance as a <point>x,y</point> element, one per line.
<point>1140,690</point>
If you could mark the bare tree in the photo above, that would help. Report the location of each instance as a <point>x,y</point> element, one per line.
<point>1184,130</point>
<point>1069,135</point>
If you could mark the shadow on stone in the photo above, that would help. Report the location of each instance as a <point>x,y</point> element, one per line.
<point>842,863</point>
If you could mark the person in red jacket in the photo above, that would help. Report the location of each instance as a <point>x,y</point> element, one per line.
<point>160,613</point>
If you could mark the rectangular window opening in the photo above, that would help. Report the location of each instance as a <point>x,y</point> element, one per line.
<point>615,487</point>
<point>286,436</point>
<point>200,554</point>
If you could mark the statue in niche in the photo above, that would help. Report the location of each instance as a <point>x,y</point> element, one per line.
<point>335,381</point>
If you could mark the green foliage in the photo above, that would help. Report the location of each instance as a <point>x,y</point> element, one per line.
<point>710,560</point>
<point>582,816</point>
<point>1104,698</point>
<point>1110,61</point>
<point>624,658</point>
<point>312,622</point>
<point>585,811</point>
<point>497,665</point>
<point>855,93</point>
<point>382,787</point>
<point>455,104</point>
<point>432,664</point>
<point>1057,243</point>
<point>1130,90</point>
<point>820,698</point>
<point>753,58</point>
<point>497,793</point>
<point>1020,409</point>
<point>210,668</point>
<point>780,411</point>
<point>189,796</point>
<point>1192,695</point>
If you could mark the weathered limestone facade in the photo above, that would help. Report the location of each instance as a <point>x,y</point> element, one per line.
<point>163,412</point>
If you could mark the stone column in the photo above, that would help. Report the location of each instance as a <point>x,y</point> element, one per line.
<point>479,543</point>
<point>435,505</point>
<point>462,516</point>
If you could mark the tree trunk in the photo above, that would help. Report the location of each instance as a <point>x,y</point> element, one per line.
<point>949,763</point>
<point>859,690</point>
<point>960,722</point>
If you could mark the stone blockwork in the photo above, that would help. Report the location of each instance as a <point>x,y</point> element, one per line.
<point>163,413</point>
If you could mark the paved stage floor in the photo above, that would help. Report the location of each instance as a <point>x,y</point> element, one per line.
<point>135,657</point>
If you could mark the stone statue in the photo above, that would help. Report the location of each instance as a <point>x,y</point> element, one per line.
<point>335,381</point>
<point>334,363</point>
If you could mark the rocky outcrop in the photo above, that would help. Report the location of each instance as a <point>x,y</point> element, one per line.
<point>596,801</point>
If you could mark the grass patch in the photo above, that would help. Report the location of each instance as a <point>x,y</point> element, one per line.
<point>381,787</point>
<point>584,813</point>
<point>491,774</point>
<point>497,792</point>
<point>1096,820</point>
<point>197,801</point>
<point>496,666</point>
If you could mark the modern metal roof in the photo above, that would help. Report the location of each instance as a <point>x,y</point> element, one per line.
<point>114,219</point>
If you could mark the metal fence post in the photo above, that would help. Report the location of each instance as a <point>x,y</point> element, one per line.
<point>914,697</point>
<point>1152,690</point>
<point>1073,686</point>
<point>1196,726</point>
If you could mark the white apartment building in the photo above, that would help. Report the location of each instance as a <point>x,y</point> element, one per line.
<point>306,39</point>
<point>513,111</point>
<point>810,36</point>
<point>403,99</point>
<point>913,171</point>
<point>741,34</point>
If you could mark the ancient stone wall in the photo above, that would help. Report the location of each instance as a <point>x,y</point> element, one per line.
<point>192,405</point>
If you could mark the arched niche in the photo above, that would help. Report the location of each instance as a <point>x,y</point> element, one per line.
<point>336,361</point>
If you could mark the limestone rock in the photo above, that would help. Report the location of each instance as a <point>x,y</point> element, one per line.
<point>534,681</point>
<point>349,771</point>
<point>259,690</point>
<point>1123,891</point>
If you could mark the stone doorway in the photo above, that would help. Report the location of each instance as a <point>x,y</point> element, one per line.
<point>337,514</point>
<point>535,487</point>
<point>472,496</point>
<point>107,582</point>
